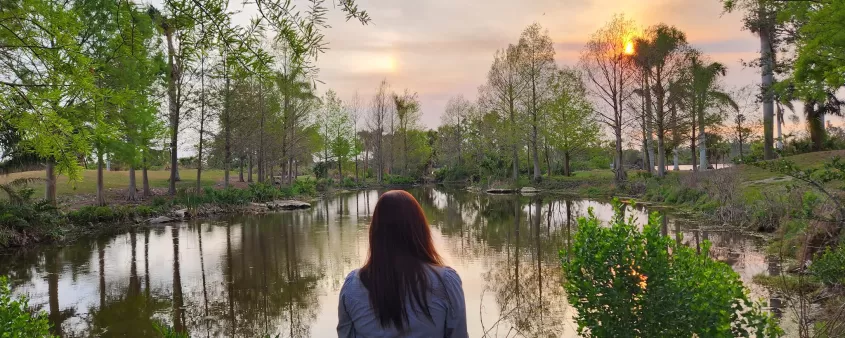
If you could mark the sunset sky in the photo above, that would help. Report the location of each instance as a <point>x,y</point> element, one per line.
<point>442,48</point>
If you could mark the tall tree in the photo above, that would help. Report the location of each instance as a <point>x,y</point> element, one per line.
<point>666,49</point>
<point>705,94</point>
<point>177,28</point>
<point>47,76</point>
<point>571,124</point>
<point>454,124</point>
<point>407,107</point>
<point>760,19</point>
<point>537,64</point>
<point>606,61</point>
<point>379,113</point>
<point>502,94</point>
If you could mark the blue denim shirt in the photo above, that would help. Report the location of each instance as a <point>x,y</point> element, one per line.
<point>356,317</point>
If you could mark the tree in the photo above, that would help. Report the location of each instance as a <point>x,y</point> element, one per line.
<point>177,28</point>
<point>571,124</point>
<point>133,76</point>
<point>47,77</point>
<point>408,112</point>
<point>537,61</point>
<point>817,66</point>
<point>666,47</point>
<point>454,124</point>
<point>705,94</point>
<point>760,19</point>
<point>502,93</point>
<point>379,113</point>
<point>610,79</point>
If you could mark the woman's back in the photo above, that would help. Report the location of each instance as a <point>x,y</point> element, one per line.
<point>445,303</point>
<point>403,290</point>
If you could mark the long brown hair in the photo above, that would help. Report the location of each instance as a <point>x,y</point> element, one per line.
<point>401,250</point>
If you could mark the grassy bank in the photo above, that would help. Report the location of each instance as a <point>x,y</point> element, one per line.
<point>743,195</point>
<point>117,181</point>
<point>25,220</point>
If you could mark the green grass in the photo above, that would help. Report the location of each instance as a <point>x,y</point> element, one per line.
<point>119,180</point>
<point>808,160</point>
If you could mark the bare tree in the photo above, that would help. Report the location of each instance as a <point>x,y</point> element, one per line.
<point>610,77</point>
<point>379,115</point>
<point>354,108</point>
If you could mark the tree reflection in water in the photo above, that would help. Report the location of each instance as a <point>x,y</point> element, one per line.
<point>252,275</point>
<point>526,284</point>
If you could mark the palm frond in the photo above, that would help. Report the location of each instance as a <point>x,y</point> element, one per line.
<point>724,98</point>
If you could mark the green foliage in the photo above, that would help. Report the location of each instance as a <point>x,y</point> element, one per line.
<point>624,282</point>
<point>305,186</point>
<point>399,180</point>
<point>16,320</point>
<point>166,331</point>
<point>451,174</point>
<point>22,223</point>
<point>829,266</point>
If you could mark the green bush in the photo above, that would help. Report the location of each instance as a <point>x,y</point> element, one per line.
<point>348,182</point>
<point>627,283</point>
<point>258,192</point>
<point>304,187</point>
<point>829,266</point>
<point>15,319</point>
<point>399,180</point>
<point>90,214</point>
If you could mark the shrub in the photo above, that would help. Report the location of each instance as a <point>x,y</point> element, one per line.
<point>399,180</point>
<point>623,282</point>
<point>15,318</point>
<point>829,266</point>
<point>304,187</point>
<point>348,182</point>
<point>260,192</point>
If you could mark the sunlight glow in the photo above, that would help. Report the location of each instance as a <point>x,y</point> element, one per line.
<point>629,48</point>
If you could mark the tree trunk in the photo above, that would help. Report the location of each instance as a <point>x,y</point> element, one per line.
<point>132,196</point>
<point>548,162</point>
<point>144,178</point>
<point>661,153</point>
<point>536,157</point>
<point>649,126</point>
<point>241,169</point>
<point>227,156</point>
<point>766,63</point>
<point>815,125</point>
<point>566,170</point>
<point>50,191</point>
<point>675,159</point>
<point>261,138</point>
<point>779,122</point>
<point>515,151</point>
<point>619,167</point>
<point>101,198</point>
<point>261,132</point>
<point>249,171</point>
<point>199,157</point>
<point>173,106</point>
<point>702,146</point>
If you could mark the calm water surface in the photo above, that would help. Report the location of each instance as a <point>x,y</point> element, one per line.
<point>280,273</point>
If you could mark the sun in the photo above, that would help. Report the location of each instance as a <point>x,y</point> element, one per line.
<point>629,48</point>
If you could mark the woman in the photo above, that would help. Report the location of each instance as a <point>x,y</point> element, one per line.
<point>403,290</point>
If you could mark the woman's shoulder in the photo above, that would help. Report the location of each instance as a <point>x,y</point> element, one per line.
<point>447,274</point>
<point>351,277</point>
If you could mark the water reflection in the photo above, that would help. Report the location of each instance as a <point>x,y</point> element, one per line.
<point>280,273</point>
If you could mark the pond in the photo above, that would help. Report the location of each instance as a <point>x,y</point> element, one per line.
<point>280,273</point>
